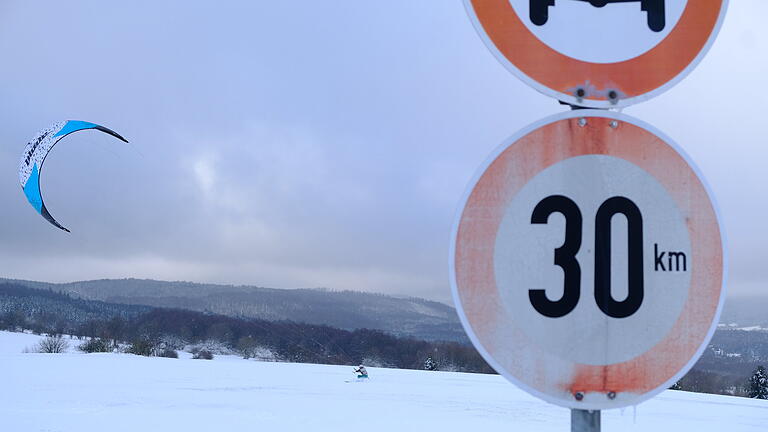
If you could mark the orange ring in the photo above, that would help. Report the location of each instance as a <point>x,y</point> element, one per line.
<point>632,78</point>
<point>506,346</point>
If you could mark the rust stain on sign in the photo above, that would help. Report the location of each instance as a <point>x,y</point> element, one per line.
<point>475,280</point>
<point>633,77</point>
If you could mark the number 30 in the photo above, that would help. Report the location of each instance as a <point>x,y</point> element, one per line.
<point>565,257</point>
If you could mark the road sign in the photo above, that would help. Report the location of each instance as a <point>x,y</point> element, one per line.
<point>587,261</point>
<point>598,53</point>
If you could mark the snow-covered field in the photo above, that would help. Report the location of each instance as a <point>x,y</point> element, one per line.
<point>121,392</point>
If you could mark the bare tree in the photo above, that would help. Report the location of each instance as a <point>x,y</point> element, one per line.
<point>247,346</point>
<point>95,345</point>
<point>52,345</point>
<point>203,355</point>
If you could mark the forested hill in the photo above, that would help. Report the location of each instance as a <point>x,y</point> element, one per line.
<point>25,307</point>
<point>724,367</point>
<point>153,329</point>
<point>348,310</point>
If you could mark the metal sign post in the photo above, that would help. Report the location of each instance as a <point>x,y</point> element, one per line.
<point>585,420</point>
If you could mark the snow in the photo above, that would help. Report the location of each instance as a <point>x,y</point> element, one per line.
<point>14,343</point>
<point>752,328</point>
<point>122,392</point>
<point>426,310</point>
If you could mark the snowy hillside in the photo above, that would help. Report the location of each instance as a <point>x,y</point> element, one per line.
<point>121,392</point>
<point>419,318</point>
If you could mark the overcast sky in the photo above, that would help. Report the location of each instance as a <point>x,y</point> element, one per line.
<point>306,143</point>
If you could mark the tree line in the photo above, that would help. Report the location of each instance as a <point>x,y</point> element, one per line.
<point>725,367</point>
<point>149,329</point>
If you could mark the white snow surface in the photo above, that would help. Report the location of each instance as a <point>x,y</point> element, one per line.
<point>122,392</point>
<point>752,328</point>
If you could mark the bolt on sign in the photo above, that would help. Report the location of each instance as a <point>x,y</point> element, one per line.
<point>587,261</point>
<point>598,53</point>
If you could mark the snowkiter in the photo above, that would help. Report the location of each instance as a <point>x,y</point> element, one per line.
<point>361,372</point>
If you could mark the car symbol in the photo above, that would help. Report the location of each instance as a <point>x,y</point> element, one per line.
<point>539,10</point>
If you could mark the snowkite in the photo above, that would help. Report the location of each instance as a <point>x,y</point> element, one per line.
<point>35,153</point>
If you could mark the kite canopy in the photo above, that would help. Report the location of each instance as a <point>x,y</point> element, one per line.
<point>35,153</point>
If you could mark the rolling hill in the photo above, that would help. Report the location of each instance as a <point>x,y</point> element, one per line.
<point>349,310</point>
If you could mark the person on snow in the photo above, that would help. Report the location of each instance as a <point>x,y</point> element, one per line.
<point>361,372</point>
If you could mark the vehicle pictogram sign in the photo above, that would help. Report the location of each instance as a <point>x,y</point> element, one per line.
<point>598,53</point>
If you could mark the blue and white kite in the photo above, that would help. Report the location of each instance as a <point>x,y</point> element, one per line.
<point>34,155</point>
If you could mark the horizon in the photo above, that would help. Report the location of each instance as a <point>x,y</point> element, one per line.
<point>324,289</point>
<point>736,296</point>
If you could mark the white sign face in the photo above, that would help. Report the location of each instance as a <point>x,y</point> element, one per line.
<point>522,246</point>
<point>587,262</point>
<point>592,31</point>
<point>598,53</point>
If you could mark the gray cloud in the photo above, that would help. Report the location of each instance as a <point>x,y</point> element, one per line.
<point>300,143</point>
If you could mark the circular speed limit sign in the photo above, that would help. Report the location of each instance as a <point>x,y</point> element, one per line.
<point>587,261</point>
